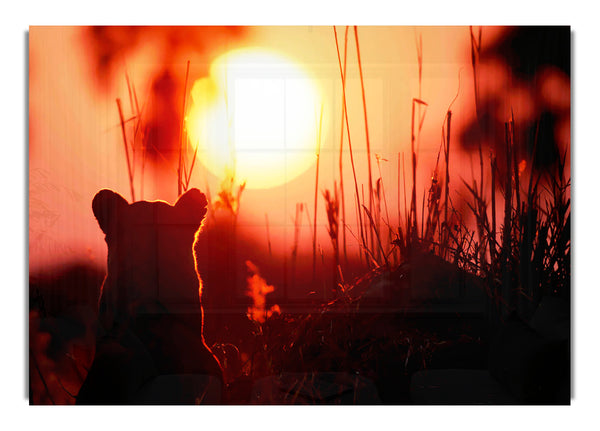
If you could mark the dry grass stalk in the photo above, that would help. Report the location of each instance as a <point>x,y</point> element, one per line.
<point>139,132</point>
<point>475,52</point>
<point>126,147</point>
<point>493,198</point>
<point>297,226</point>
<point>446,183</point>
<point>332,208</point>
<point>368,142</point>
<point>342,141</point>
<point>318,155</point>
<point>506,235</point>
<point>433,208</point>
<point>413,234</point>
<point>381,193</point>
<point>180,174</point>
<point>138,135</point>
<point>515,161</point>
<point>345,110</point>
<point>381,252</point>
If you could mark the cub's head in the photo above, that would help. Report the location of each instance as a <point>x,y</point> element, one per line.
<point>150,252</point>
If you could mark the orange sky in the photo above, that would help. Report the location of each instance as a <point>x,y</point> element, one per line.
<point>76,143</point>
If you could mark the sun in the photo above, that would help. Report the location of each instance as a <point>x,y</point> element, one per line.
<point>257,116</point>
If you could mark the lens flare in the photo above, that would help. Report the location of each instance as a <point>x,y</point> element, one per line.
<point>256,116</point>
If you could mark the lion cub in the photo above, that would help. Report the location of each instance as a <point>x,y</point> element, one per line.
<point>150,347</point>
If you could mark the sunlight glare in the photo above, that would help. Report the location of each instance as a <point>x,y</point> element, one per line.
<point>256,116</point>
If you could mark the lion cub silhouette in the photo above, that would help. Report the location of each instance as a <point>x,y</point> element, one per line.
<point>150,347</point>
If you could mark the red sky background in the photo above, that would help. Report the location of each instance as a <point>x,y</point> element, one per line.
<point>76,144</point>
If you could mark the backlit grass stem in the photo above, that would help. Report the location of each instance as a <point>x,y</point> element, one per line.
<point>318,154</point>
<point>126,147</point>
<point>345,108</point>
<point>364,101</point>
<point>341,164</point>
<point>180,174</point>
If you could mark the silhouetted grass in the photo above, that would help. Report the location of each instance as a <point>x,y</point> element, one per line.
<point>332,207</point>
<point>345,114</point>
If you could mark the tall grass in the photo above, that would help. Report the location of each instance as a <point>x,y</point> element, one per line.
<point>137,140</point>
<point>531,232</point>
<point>126,148</point>
<point>345,114</point>
<point>532,257</point>
<point>318,156</point>
<point>367,141</point>
<point>332,207</point>
<point>523,256</point>
<point>181,167</point>
<point>340,161</point>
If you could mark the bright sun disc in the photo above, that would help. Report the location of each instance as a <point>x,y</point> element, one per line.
<point>256,115</point>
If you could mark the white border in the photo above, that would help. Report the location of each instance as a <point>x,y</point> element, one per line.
<point>585,148</point>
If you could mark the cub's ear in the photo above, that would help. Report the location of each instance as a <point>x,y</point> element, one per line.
<point>191,207</point>
<point>106,206</point>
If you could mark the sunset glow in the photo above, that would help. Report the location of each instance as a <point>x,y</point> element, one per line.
<point>299,215</point>
<point>257,116</point>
